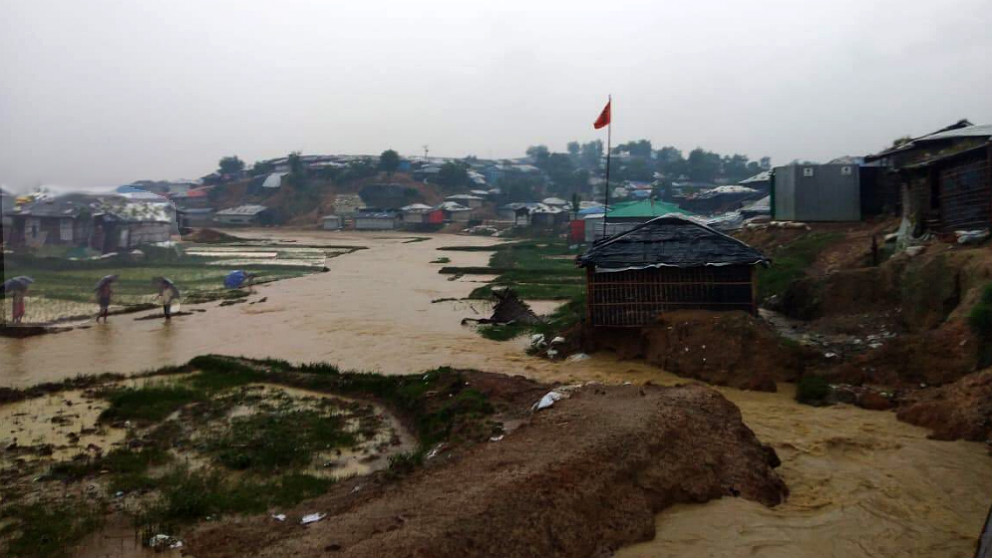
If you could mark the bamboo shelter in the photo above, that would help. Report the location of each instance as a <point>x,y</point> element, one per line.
<point>668,263</point>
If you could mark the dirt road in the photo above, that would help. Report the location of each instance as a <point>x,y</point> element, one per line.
<point>862,483</point>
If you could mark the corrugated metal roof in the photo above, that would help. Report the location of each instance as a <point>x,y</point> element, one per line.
<point>242,210</point>
<point>983,130</point>
<point>669,241</point>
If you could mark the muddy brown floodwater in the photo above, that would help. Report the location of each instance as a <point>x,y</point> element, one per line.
<point>863,484</point>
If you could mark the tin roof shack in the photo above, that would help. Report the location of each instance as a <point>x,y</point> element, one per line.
<point>719,200</point>
<point>245,215</point>
<point>945,178</point>
<point>467,200</point>
<point>49,221</point>
<point>123,225</point>
<point>331,222</point>
<point>376,220</point>
<point>816,193</point>
<point>455,212</point>
<point>668,263</point>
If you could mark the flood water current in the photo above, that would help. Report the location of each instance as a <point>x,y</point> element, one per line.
<point>862,483</point>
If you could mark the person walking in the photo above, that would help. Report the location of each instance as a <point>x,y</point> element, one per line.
<point>104,291</point>
<point>168,292</point>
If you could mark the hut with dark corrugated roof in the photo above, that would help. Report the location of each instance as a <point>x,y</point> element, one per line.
<point>668,263</point>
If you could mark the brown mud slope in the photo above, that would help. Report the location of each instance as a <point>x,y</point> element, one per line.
<point>578,479</point>
<point>933,358</point>
<point>958,411</point>
<point>721,348</point>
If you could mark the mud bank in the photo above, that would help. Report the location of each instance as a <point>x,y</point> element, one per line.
<point>721,348</point>
<point>958,411</point>
<point>578,479</point>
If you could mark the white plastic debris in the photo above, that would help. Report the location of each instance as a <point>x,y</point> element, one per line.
<point>830,355</point>
<point>433,453</point>
<point>552,353</point>
<point>912,251</point>
<point>548,400</point>
<point>972,237</point>
<point>557,340</point>
<point>577,357</point>
<point>279,516</point>
<point>160,542</point>
<point>312,518</point>
<point>536,338</point>
<point>496,438</point>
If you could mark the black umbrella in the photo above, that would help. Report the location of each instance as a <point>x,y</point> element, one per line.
<point>20,283</point>
<point>166,282</point>
<point>104,280</point>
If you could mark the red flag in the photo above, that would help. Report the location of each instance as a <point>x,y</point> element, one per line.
<point>604,117</point>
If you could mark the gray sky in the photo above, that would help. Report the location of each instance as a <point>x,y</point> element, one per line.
<point>99,93</point>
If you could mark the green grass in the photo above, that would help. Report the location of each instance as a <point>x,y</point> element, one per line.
<point>119,461</point>
<point>441,260</point>
<point>47,529</point>
<point>790,262</point>
<point>147,404</point>
<point>812,390</point>
<point>267,442</point>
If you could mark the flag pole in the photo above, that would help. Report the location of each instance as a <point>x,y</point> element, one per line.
<point>609,138</point>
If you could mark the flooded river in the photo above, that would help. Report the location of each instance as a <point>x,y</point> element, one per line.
<point>863,484</point>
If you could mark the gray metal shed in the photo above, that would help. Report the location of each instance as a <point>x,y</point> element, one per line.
<point>816,193</point>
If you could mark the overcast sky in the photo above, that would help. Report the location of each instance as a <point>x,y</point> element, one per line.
<point>100,93</point>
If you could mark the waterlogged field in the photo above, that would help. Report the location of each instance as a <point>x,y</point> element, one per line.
<point>63,288</point>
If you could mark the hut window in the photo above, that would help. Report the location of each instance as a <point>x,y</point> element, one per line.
<point>808,171</point>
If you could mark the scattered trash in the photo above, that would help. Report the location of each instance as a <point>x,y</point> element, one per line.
<point>557,340</point>
<point>161,542</point>
<point>119,494</point>
<point>552,353</point>
<point>312,518</point>
<point>913,251</point>
<point>548,400</point>
<point>433,453</point>
<point>972,237</point>
<point>496,438</point>
<point>578,357</point>
<point>279,516</point>
<point>830,355</point>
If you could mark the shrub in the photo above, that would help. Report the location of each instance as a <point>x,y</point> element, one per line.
<point>812,390</point>
<point>980,320</point>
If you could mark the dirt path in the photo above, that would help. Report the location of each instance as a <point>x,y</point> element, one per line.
<point>863,484</point>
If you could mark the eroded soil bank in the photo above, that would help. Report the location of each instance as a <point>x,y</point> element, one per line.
<point>578,479</point>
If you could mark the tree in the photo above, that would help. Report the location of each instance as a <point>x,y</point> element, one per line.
<point>592,154</point>
<point>640,148</point>
<point>453,175</point>
<point>262,167</point>
<point>703,166</point>
<point>540,154</point>
<point>389,161</point>
<point>231,165</point>
<point>297,174</point>
<point>574,151</point>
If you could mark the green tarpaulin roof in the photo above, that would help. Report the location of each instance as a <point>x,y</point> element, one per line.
<point>645,208</point>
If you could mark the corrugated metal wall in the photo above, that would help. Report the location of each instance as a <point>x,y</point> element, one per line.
<point>825,193</point>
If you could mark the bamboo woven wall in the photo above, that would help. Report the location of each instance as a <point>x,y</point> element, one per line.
<point>636,298</point>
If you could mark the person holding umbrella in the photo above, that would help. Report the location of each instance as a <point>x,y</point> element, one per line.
<point>103,294</point>
<point>168,292</point>
<point>18,288</point>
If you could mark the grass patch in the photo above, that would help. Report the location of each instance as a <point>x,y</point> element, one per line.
<point>46,529</point>
<point>269,442</point>
<point>416,239</point>
<point>147,404</point>
<point>812,390</point>
<point>441,260</point>
<point>790,262</point>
